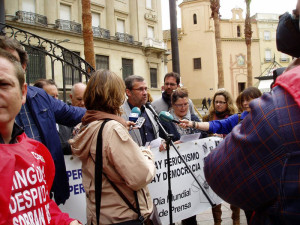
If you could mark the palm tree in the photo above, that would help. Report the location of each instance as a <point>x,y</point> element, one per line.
<point>248,36</point>
<point>215,14</point>
<point>88,33</point>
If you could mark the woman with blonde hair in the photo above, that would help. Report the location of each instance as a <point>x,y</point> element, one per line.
<point>222,106</point>
<point>124,166</point>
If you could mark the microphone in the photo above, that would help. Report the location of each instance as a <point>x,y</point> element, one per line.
<point>150,107</point>
<point>166,116</point>
<point>134,114</point>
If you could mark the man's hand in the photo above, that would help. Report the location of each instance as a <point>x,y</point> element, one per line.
<point>130,125</point>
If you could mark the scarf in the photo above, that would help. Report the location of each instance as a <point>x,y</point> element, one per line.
<point>93,115</point>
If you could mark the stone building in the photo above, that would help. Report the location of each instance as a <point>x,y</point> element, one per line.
<point>197,48</point>
<point>128,35</point>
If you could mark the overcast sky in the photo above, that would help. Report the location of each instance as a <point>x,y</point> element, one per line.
<point>257,6</point>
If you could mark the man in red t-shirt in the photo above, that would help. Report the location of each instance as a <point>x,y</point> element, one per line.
<point>26,166</point>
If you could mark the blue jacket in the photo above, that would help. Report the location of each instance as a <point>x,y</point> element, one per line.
<point>225,126</point>
<point>46,112</point>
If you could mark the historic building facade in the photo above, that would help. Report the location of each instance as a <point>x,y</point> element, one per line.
<point>197,49</point>
<point>128,35</point>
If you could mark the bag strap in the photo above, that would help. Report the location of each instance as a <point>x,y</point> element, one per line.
<point>98,170</point>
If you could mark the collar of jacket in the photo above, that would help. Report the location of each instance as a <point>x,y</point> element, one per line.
<point>290,82</point>
<point>93,115</point>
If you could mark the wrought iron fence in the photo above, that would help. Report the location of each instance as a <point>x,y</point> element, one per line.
<point>68,25</point>
<point>57,58</point>
<point>31,18</point>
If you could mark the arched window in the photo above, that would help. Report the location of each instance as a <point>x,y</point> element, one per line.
<point>195,18</point>
<point>238,30</point>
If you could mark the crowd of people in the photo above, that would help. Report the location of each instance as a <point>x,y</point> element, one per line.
<point>255,168</point>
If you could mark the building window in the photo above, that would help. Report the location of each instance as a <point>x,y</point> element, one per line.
<point>96,19</point>
<point>241,86</point>
<point>65,12</point>
<point>195,18</point>
<point>28,5</point>
<point>127,67</point>
<point>150,32</point>
<point>72,75</point>
<point>149,4</point>
<point>267,55</point>
<point>102,62</point>
<point>36,68</point>
<point>238,31</point>
<point>153,77</point>
<point>120,26</point>
<point>197,63</point>
<point>267,35</point>
<point>284,58</point>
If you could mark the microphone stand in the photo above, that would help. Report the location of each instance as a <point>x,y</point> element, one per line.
<point>169,142</point>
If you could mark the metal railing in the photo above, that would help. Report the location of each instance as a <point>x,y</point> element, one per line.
<point>55,55</point>
<point>101,32</point>
<point>68,25</point>
<point>122,37</point>
<point>31,18</point>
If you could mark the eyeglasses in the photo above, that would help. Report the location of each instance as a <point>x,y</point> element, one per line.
<point>141,89</point>
<point>181,105</point>
<point>170,84</point>
<point>220,102</point>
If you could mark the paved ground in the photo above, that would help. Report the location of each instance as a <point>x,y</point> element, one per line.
<point>206,217</point>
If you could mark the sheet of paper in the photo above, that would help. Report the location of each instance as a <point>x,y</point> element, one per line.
<point>154,143</point>
<point>189,137</point>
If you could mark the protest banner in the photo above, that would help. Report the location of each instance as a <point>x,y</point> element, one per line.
<point>188,199</point>
<point>75,206</point>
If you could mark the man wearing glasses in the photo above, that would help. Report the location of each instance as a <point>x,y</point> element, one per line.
<point>171,83</point>
<point>136,91</point>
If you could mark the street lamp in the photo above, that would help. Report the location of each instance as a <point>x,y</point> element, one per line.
<point>58,42</point>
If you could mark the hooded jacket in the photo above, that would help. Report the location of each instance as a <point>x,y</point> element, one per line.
<point>129,168</point>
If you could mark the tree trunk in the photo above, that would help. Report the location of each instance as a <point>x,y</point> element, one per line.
<point>215,7</point>
<point>248,36</point>
<point>88,33</point>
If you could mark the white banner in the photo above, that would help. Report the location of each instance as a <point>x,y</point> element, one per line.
<point>188,198</point>
<point>75,206</point>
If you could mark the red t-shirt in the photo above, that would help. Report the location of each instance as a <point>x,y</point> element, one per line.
<point>26,175</point>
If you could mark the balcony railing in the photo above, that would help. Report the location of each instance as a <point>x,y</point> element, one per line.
<point>101,32</point>
<point>68,25</point>
<point>31,18</point>
<point>122,37</point>
<point>149,42</point>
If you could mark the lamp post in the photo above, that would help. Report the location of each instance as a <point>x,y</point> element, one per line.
<point>174,37</point>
